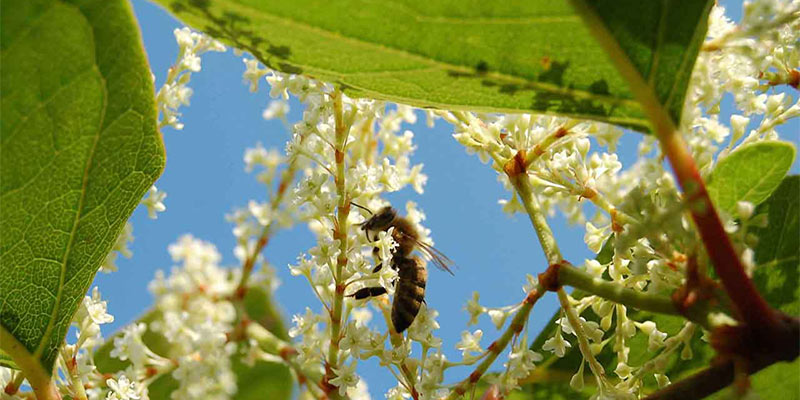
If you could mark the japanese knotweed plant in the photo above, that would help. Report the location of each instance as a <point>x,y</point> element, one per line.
<point>686,267</point>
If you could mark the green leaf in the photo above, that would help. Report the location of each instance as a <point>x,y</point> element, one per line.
<point>263,380</point>
<point>518,56</point>
<point>80,148</point>
<point>778,251</point>
<point>657,41</point>
<point>7,361</point>
<point>750,173</point>
<point>778,258</point>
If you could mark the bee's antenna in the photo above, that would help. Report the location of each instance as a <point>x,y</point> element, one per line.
<point>362,207</point>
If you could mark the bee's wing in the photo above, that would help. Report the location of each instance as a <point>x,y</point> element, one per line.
<point>439,259</point>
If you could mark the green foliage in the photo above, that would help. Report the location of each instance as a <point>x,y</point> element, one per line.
<point>750,173</point>
<point>660,39</point>
<point>517,56</point>
<point>6,361</point>
<point>777,275</point>
<point>263,380</point>
<point>778,251</point>
<point>80,148</point>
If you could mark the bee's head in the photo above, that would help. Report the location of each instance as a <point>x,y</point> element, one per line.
<point>380,220</point>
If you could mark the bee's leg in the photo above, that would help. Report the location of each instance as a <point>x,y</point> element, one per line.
<point>363,293</point>
<point>378,267</point>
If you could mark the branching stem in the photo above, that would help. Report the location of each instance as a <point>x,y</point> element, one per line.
<point>583,342</point>
<point>577,278</point>
<point>515,169</point>
<point>494,349</point>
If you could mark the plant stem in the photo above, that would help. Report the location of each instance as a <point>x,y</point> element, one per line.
<point>705,382</point>
<point>749,304</point>
<point>74,377</point>
<point>583,343</point>
<point>287,176</point>
<point>515,169</point>
<point>577,278</point>
<point>343,211</point>
<point>41,381</point>
<point>494,349</point>
<point>686,332</point>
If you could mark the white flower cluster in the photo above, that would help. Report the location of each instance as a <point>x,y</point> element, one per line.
<point>745,60</point>
<point>175,92</point>
<point>376,160</point>
<point>195,315</point>
<point>641,204</point>
<point>556,154</point>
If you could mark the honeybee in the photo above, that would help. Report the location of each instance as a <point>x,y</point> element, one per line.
<point>412,274</point>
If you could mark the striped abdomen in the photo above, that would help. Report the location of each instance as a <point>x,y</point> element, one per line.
<point>409,292</point>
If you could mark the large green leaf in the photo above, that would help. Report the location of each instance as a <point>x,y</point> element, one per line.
<point>263,380</point>
<point>778,251</point>
<point>80,147</point>
<point>777,276</point>
<point>660,40</point>
<point>751,173</point>
<point>510,56</point>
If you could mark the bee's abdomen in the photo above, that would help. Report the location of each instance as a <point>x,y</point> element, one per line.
<point>409,292</point>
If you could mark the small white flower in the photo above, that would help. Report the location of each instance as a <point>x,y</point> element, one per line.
<point>595,237</point>
<point>129,345</point>
<point>253,73</point>
<point>655,337</point>
<point>474,309</point>
<point>595,268</point>
<point>556,344</point>
<point>96,308</point>
<point>120,247</point>
<point>744,209</point>
<point>470,342</point>
<point>262,212</point>
<point>279,83</point>
<point>531,282</point>
<point>303,324</point>
<point>276,109</point>
<point>154,202</point>
<point>122,389</point>
<point>498,317</point>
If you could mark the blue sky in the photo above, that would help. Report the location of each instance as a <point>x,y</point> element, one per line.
<point>205,179</point>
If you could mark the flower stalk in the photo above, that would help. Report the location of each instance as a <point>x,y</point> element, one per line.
<point>583,342</point>
<point>343,211</point>
<point>287,176</point>
<point>494,349</point>
<point>577,278</point>
<point>516,170</point>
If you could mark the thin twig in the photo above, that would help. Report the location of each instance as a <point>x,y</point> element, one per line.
<point>494,349</point>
